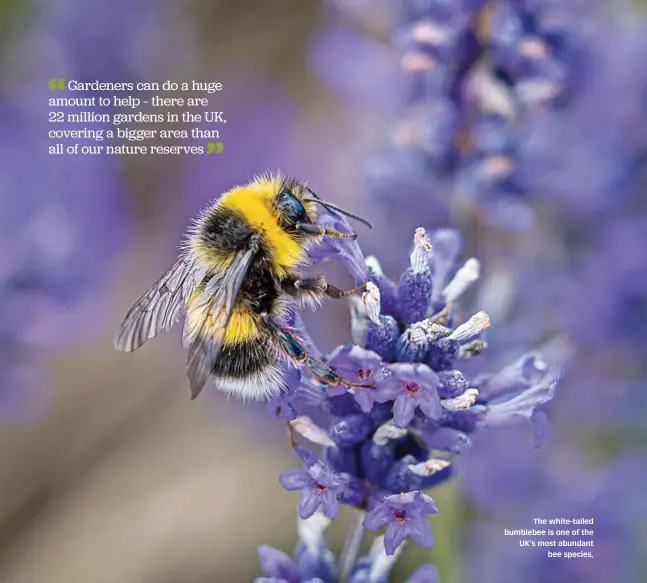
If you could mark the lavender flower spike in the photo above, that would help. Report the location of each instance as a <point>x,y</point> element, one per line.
<point>404,515</point>
<point>382,447</point>
<point>524,405</point>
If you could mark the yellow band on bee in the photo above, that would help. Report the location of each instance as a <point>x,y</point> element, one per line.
<point>254,203</point>
<point>243,324</point>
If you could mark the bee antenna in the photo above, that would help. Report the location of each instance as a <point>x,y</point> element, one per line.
<point>312,192</point>
<point>334,207</point>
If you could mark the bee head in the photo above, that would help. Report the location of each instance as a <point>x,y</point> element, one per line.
<point>292,209</point>
<point>296,207</point>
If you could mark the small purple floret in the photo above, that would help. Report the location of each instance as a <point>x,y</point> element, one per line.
<point>404,516</point>
<point>411,387</point>
<point>318,484</point>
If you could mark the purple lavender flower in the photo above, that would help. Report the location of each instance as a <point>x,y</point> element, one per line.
<point>314,563</point>
<point>351,429</point>
<point>581,156</point>
<point>356,363</point>
<point>378,441</point>
<point>404,515</point>
<point>410,387</point>
<point>318,484</point>
<point>477,71</point>
<point>347,253</point>
<point>285,405</point>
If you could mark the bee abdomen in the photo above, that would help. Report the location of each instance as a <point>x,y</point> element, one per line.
<point>244,358</point>
<point>249,369</point>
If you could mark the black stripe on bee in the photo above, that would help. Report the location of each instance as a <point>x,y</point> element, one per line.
<point>226,231</point>
<point>245,359</point>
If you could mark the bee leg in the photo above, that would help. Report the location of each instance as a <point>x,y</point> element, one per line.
<point>317,230</point>
<point>311,289</point>
<point>295,350</point>
<point>336,293</point>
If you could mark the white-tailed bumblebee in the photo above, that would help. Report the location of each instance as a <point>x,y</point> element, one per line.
<point>236,279</point>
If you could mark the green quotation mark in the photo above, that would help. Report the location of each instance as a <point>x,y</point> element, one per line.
<point>215,147</point>
<point>55,84</point>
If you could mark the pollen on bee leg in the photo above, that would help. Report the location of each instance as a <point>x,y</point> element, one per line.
<point>336,293</point>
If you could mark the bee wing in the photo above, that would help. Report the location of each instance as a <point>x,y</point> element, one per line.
<point>204,333</point>
<point>159,308</point>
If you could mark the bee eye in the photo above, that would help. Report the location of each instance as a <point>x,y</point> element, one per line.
<point>291,208</point>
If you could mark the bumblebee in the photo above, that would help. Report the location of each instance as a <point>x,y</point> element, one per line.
<point>236,280</point>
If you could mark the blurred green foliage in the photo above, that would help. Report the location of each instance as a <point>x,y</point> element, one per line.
<point>640,5</point>
<point>448,529</point>
<point>13,14</point>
